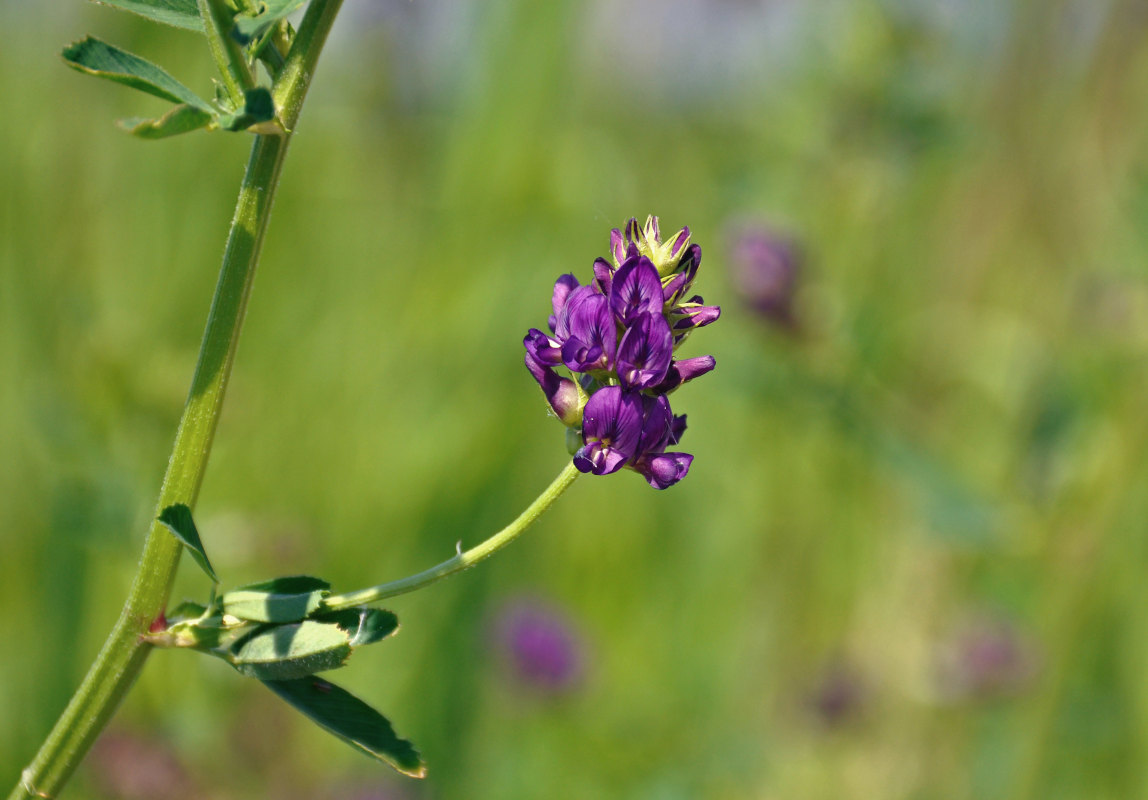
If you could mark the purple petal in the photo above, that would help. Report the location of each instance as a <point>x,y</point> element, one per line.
<point>576,298</point>
<point>680,241</point>
<point>562,289</point>
<point>645,352</point>
<point>694,316</point>
<point>603,275</point>
<point>684,278</point>
<point>611,428</point>
<point>677,429</point>
<point>633,232</point>
<point>656,425</point>
<point>664,470</point>
<point>593,336</point>
<point>684,370</point>
<point>561,393</point>
<point>545,350</point>
<point>636,289</point>
<point>617,246</point>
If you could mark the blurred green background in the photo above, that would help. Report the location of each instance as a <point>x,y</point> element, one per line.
<point>905,562</point>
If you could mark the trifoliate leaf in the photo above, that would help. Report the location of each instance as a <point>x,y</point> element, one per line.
<point>352,720</point>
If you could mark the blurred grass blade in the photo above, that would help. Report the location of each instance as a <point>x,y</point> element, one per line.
<point>363,625</point>
<point>352,720</point>
<point>177,519</point>
<point>178,13</point>
<point>98,58</point>
<point>250,26</point>
<point>181,119</point>
<point>286,652</point>
<point>289,599</point>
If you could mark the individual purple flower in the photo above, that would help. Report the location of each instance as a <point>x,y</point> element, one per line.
<point>765,269</point>
<point>636,289</point>
<point>587,332</point>
<point>645,352</point>
<point>565,397</point>
<point>659,429</point>
<point>693,314</point>
<point>611,428</point>
<point>563,287</point>
<point>685,370</point>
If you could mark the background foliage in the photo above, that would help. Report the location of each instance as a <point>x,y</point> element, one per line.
<point>905,562</point>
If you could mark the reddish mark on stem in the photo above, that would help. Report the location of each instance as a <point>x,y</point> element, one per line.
<point>158,624</point>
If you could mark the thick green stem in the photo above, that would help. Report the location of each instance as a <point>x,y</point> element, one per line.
<point>124,652</point>
<point>462,560</point>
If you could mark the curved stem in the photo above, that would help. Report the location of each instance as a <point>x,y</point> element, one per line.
<point>463,560</point>
<point>124,651</point>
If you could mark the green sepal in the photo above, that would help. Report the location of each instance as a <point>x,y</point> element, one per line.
<point>363,625</point>
<point>352,720</point>
<point>258,109</point>
<point>180,119</point>
<point>177,519</point>
<point>252,24</point>
<point>94,57</point>
<point>178,13</point>
<point>286,652</point>
<point>289,599</point>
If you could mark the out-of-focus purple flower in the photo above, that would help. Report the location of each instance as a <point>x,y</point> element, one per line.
<point>130,766</point>
<point>540,644</point>
<point>617,335</point>
<point>987,657</point>
<point>765,268</point>
<point>838,694</point>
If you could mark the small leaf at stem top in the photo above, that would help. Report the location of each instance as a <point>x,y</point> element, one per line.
<point>352,720</point>
<point>177,519</point>
<point>98,58</point>
<point>179,13</point>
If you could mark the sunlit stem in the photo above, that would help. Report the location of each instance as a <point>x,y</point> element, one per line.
<point>462,560</point>
<point>125,650</point>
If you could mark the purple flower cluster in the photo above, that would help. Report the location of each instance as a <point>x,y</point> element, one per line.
<point>617,336</point>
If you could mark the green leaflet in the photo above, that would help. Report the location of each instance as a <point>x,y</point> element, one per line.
<point>98,58</point>
<point>179,13</point>
<point>180,119</point>
<point>286,652</point>
<point>289,599</point>
<point>352,720</point>
<point>177,518</point>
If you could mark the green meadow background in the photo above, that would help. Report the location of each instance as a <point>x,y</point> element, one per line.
<point>910,558</point>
